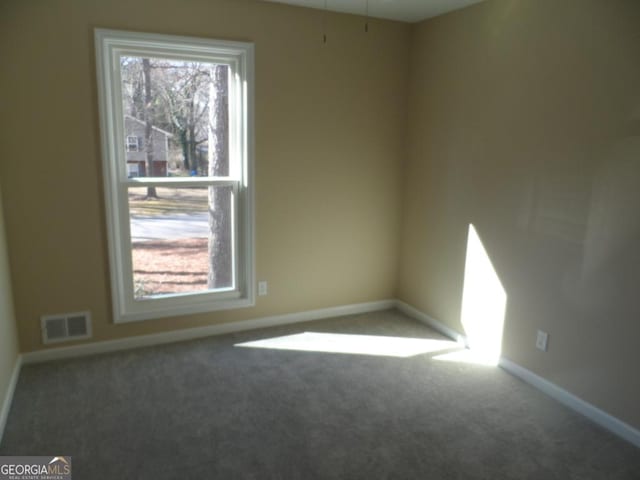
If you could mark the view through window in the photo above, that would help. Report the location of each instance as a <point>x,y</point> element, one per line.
<point>181,237</point>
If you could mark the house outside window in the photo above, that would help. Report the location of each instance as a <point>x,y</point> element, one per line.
<point>132,144</point>
<point>180,213</point>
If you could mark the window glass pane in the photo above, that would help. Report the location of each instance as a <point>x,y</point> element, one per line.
<point>176,117</point>
<point>181,240</point>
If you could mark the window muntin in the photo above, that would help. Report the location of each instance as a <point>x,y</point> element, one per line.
<point>221,192</point>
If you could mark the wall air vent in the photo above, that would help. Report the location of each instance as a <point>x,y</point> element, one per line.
<point>65,327</point>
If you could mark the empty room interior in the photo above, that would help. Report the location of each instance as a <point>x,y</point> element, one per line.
<point>317,239</point>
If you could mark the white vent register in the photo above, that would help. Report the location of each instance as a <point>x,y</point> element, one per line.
<point>65,327</point>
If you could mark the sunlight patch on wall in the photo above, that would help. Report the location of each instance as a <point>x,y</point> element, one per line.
<point>484,302</point>
<point>353,344</point>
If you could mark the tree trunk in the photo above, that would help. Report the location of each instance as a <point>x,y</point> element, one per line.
<point>193,158</point>
<point>184,143</point>
<point>148,125</point>
<point>220,225</point>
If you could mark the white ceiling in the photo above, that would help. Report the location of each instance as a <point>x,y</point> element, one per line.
<point>402,10</point>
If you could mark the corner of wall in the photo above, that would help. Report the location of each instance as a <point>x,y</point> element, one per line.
<point>9,350</point>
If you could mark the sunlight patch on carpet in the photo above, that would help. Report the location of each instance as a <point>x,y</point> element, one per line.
<point>468,356</point>
<point>402,347</point>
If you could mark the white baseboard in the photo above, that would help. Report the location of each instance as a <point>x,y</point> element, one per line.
<point>609,422</point>
<point>199,332</point>
<point>431,322</point>
<point>8,396</point>
<point>596,415</point>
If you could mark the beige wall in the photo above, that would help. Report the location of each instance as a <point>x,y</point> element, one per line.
<point>524,120</point>
<point>8,334</point>
<point>329,134</point>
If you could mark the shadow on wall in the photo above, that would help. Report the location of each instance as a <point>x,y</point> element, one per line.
<point>610,269</point>
<point>594,215</point>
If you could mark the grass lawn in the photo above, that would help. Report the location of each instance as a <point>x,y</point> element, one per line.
<point>169,201</point>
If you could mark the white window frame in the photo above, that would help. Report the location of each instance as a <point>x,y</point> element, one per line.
<point>110,46</point>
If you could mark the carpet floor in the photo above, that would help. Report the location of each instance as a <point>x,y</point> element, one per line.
<point>212,409</point>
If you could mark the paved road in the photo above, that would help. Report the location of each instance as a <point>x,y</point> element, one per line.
<point>169,227</point>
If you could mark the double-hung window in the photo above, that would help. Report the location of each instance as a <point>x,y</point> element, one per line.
<point>181,229</point>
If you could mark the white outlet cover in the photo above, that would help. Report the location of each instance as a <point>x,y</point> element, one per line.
<point>542,340</point>
<point>262,288</point>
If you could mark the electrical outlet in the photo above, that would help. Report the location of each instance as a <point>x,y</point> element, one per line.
<point>262,288</point>
<point>542,340</point>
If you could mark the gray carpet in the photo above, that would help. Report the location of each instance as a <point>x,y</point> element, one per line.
<point>209,409</point>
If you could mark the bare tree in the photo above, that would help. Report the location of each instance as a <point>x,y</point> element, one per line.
<point>220,248</point>
<point>184,90</point>
<point>133,86</point>
<point>148,124</point>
